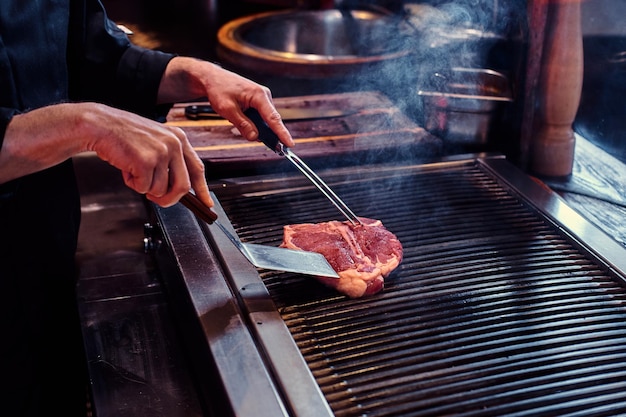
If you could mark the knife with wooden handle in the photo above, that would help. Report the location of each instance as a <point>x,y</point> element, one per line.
<point>205,111</point>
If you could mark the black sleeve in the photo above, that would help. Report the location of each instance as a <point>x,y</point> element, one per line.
<point>138,77</point>
<point>5,117</point>
<point>104,66</point>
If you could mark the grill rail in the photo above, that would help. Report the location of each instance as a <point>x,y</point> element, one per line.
<point>506,301</point>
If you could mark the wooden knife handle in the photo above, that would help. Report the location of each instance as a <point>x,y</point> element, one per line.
<point>200,209</point>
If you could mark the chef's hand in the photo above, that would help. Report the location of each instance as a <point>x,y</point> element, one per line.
<point>229,94</point>
<point>155,159</point>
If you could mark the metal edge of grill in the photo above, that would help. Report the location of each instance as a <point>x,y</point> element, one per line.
<point>307,381</point>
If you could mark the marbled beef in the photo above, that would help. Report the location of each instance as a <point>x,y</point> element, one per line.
<point>362,255</point>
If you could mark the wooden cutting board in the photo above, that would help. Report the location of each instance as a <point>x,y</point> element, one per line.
<point>372,129</point>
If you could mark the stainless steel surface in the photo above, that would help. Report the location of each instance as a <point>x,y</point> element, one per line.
<point>485,86</point>
<point>269,138</point>
<point>506,302</point>
<point>136,359</point>
<point>311,43</point>
<point>195,275</point>
<point>263,256</point>
<point>460,105</point>
<point>317,35</point>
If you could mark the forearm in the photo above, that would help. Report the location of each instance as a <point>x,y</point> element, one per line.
<point>41,138</point>
<point>187,79</point>
<point>154,159</point>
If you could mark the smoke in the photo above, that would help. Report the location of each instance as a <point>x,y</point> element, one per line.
<point>469,34</point>
<point>396,54</point>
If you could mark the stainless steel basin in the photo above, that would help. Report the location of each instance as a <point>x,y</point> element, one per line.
<point>311,43</point>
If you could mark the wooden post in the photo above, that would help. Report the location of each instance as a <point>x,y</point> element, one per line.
<point>559,90</point>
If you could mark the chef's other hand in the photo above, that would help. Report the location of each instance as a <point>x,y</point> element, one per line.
<point>229,94</point>
<point>155,159</point>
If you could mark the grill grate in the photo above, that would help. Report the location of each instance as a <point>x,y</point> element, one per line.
<point>493,311</point>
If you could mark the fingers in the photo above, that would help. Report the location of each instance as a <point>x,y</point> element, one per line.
<point>160,170</point>
<point>155,159</point>
<point>247,129</point>
<point>275,122</point>
<point>259,97</point>
<point>265,106</point>
<point>185,170</point>
<point>149,175</point>
<point>196,170</point>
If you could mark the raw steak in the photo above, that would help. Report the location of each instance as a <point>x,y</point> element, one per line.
<point>362,255</point>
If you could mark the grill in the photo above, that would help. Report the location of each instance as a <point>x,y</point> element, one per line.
<point>507,302</point>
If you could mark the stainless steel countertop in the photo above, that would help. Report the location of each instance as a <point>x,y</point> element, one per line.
<point>136,361</point>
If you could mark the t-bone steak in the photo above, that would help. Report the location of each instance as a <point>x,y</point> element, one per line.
<point>363,255</point>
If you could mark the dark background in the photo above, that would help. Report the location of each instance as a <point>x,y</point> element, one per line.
<point>189,27</point>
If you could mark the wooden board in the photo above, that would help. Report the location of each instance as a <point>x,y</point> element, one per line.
<point>372,129</point>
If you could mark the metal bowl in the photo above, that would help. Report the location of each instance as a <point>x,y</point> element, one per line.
<point>313,43</point>
<point>462,104</point>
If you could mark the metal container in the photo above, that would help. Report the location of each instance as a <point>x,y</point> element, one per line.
<point>314,43</point>
<point>297,52</point>
<point>462,104</point>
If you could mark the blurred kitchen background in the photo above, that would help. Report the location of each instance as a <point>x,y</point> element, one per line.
<point>439,35</point>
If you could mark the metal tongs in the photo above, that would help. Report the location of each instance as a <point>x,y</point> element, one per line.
<point>270,139</point>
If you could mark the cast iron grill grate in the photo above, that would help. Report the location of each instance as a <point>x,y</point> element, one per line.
<point>493,311</point>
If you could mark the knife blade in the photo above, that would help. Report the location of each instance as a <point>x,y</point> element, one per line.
<point>205,111</point>
<point>270,139</point>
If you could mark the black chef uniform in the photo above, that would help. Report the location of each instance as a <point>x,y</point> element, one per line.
<point>53,51</point>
